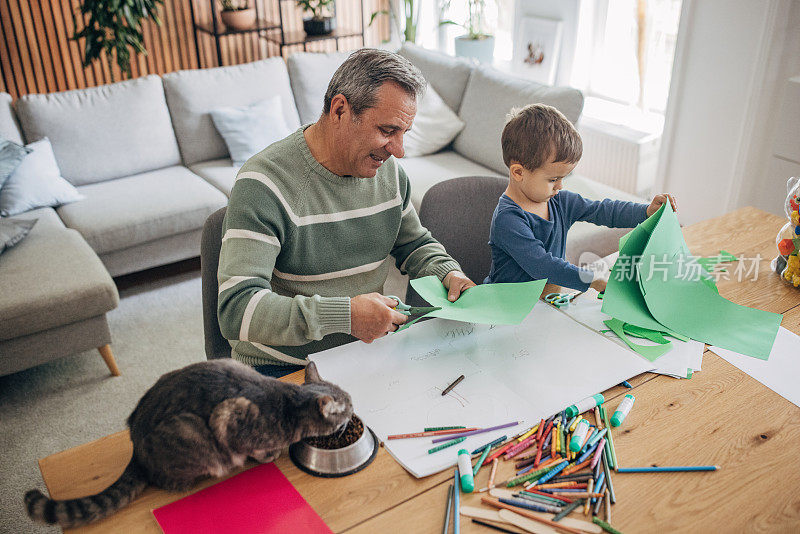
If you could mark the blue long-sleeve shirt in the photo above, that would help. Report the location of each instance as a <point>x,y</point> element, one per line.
<point>527,247</point>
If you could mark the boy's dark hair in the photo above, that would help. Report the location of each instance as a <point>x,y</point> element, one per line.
<point>536,133</point>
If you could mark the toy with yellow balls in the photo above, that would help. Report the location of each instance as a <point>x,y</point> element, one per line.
<point>788,240</point>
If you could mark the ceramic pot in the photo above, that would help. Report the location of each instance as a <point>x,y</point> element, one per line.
<point>480,49</point>
<point>243,19</point>
<point>323,26</point>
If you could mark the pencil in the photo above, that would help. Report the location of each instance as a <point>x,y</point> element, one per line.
<point>445,445</point>
<point>667,469</point>
<point>605,526</point>
<point>485,524</point>
<point>451,386</point>
<point>456,491</point>
<point>447,510</point>
<point>431,433</point>
<point>480,431</point>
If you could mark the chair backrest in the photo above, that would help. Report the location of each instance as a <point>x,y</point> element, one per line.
<point>216,345</point>
<point>458,213</point>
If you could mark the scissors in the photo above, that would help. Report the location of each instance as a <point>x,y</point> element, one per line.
<point>560,299</point>
<point>405,309</point>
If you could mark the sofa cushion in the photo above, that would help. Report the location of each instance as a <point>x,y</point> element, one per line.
<point>435,126</point>
<point>47,220</point>
<point>247,130</point>
<point>9,128</point>
<point>192,94</point>
<point>310,74</point>
<point>12,231</point>
<point>11,155</point>
<point>104,132</point>
<point>221,173</point>
<point>36,183</point>
<point>423,172</point>
<point>489,96</point>
<point>41,290</point>
<point>447,74</point>
<point>137,209</point>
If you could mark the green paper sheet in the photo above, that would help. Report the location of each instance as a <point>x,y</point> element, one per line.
<point>485,304</point>
<point>623,298</point>
<point>710,262</point>
<point>649,352</point>
<point>688,305</point>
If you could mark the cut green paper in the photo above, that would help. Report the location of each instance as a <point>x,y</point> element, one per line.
<point>710,262</point>
<point>485,304</point>
<point>649,352</point>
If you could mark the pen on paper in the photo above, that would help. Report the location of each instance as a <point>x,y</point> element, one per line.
<point>451,386</point>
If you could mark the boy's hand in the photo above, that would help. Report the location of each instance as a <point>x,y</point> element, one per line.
<point>660,200</point>
<point>599,285</point>
<point>456,283</point>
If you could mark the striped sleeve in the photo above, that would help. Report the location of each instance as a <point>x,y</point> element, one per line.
<point>256,223</point>
<point>415,251</point>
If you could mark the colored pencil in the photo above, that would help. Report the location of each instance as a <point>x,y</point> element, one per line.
<point>576,478</point>
<point>542,497</point>
<point>605,526</point>
<point>588,501</point>
<point>608,506</point>
<point>530,505</point>
<point>599,502</point>
<point>548,495</point>
<point>576,494</point>
<point>597,420</point>
<point>568,484</point>
<point>599,446</point>
<point>480,431</point>
<point>485,524</point>
<point>480,461</point>
<point>498,452</point>
<point>567,510</point>
<point>451,386</point>
<point>430,433</point>
<point>491,444</point>
<point>497,504</point>
<point>587,455</point>
<point>609,483</point>
<point>597,437</point>
<point>540,431</point>
<point>667,469</point>
<point>447,510</point>
<point>445,445</point>
<point>435,428</point>
<point>493,472</point>
<point>456,491</point>
<point>577,467</point>
<point>609,440</point>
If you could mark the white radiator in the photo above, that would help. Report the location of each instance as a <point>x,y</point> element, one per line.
<point>618,156</point>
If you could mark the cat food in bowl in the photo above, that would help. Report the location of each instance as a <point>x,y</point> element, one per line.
<point>339,454</point>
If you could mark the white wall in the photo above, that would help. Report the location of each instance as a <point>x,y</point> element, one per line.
<point>731,59</point>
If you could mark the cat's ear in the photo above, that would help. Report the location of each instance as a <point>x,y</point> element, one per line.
<point>328,407</point>
<point>311,373</point>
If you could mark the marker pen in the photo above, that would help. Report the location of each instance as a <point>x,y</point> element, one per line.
<point>465,471</point>
<point>622,410</point>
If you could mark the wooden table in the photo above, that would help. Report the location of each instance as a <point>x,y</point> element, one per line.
<point>721,416</point>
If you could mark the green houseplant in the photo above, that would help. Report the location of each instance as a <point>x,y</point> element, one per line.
<point>114,28</point>
<point>477,43</point>
<point>410,17</point>
<point>320,22</point>
<point>237,15</point>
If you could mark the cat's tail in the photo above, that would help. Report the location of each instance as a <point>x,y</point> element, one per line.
<point>76,512</point>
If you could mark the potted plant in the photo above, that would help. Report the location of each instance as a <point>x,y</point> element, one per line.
<point>410,16</point>
<point>476,43</point>
<point>320,22</point>
<point>237,15</point>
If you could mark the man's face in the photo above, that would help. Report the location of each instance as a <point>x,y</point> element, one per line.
<point>370,138</point>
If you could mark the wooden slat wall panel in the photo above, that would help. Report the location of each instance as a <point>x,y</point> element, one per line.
<point>38,56</point>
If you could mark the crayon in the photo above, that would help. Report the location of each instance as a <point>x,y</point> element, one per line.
<point>544,495</point>
<point>445,445</point>
<point>491,444</point>
<point>435,428</point>
<point>479,431</point>
<point>536,507</point>
<point>497,504</point>
<point>567,510</point>
<point>597,452</point>
<point>588,501</point>
<point>667,469</point>
<point>480,460</point>
<point>430,433</point>
<point>612,460</point>
<point>609,483</point>
<point>605,526</point>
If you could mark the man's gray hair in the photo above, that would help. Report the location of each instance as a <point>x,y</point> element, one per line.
<point>362,74</point>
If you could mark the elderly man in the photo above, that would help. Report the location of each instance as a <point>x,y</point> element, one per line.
<point>312,218</point>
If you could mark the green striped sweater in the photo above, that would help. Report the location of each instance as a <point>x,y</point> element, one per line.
<point>298,241</point>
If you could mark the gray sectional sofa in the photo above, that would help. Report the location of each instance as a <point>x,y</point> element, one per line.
<point>152,167</point>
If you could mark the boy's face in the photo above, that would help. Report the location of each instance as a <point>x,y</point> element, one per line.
<point>542,183</point>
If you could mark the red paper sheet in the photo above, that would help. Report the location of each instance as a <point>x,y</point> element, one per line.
<point>258,501</point>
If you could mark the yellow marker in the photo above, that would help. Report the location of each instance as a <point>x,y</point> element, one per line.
<point>575,423</point>
<point>528,433</point>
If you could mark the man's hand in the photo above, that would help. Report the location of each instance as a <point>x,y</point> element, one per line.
<point>660,200</point>
<point>372,316</point>
<point>456,283</point>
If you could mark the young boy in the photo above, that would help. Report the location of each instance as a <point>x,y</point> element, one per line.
<point>530,224</point>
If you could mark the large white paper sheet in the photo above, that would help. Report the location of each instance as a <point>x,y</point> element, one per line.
<point>683,357</point>
<point>779,372</point>
<point>513,373</point>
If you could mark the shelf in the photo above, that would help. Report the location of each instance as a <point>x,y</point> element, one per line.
<point>260,26</point>
<point>300,37</point>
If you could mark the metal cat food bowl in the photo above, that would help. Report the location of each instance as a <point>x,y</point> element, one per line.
<point>331,463</point>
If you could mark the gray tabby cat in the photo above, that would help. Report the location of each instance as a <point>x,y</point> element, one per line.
<point>206,420</point>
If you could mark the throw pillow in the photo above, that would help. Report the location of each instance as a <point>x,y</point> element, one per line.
<point>36,183</point>
<point>12,231</point>
<point>11,155</point>
<point>434,126</point>
<point>247,130</point>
